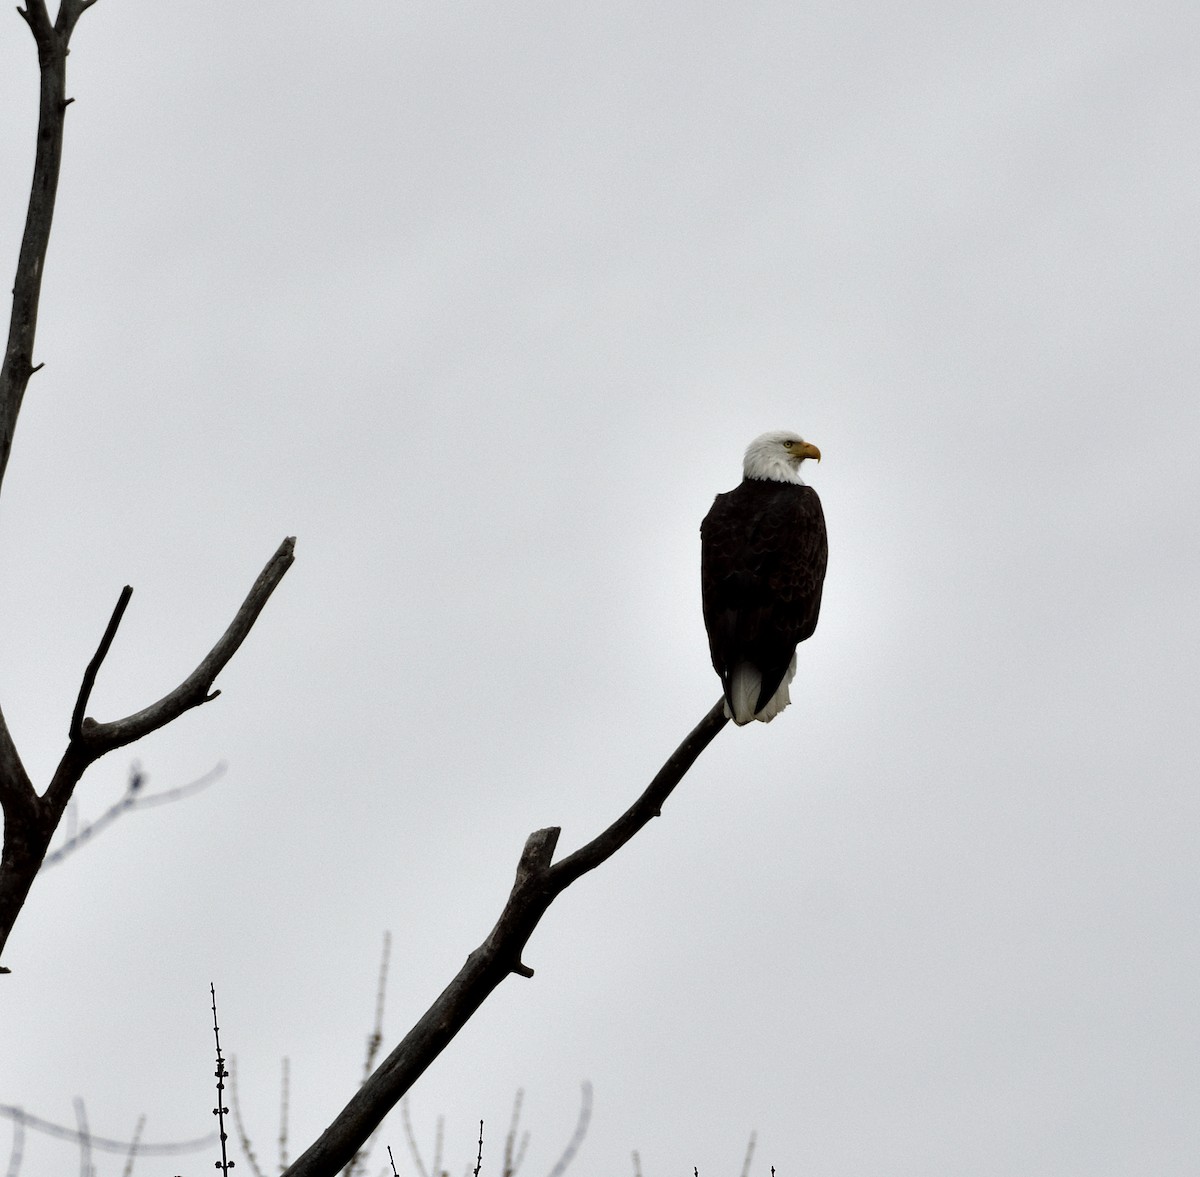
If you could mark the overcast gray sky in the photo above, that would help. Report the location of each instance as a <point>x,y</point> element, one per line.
<point>483,304</point>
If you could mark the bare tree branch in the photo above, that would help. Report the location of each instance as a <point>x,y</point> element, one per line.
<point>409,1135</point>
<point>220,1111</point>
<point>537,885</point>
<point>375,1039</point>
<point>27,288</point>
<point>99,738</point>
<point>17,795</point>
<point>283,1116</point>
<point>93,667</point>
<point>581,1127</point>
<point>133,1146</point>
<point>749,1154</point>
<point>514,1153</point>
<point>239,1123</point>
<point>18,1149</point>
<point>29,819</point>
<point>85,1139</point>
<point>103,1143</point>
<point>133,798</point>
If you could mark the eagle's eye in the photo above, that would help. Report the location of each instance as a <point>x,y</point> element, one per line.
<point>789,444</point>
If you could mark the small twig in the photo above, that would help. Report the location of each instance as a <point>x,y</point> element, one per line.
<point>358,1162</point>
<point>411,1137</point>
<point>519,1159</point>
<point>283,1117</point>
<point>749,1154</point>
<point>376,1038</point>
<point>133,1147</point>
<point>220,1111</point>
<point>479,1155</point>
<point>438,1140</point>
<point>18,1148</point>
<point>393,1161</point>
<point>93,667</point>
<point>510,1140</point>
<point>243,1138</point>
<point>196,689</point>
<point>637,1164</point>
<point>581,1127</point>
<point>132,798</point>
<point>103,1143</point>
<point>85,1140</point>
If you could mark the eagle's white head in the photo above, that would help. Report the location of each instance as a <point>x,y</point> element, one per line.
<point>776,457</point>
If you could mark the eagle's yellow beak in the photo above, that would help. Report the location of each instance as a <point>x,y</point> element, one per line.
<point>808,450</point>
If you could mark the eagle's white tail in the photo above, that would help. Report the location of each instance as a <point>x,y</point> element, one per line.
<point>744,684</point>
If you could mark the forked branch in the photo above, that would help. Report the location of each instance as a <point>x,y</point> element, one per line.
<point>538,883</point>
<point>98,738</point>
<point>30,820</point>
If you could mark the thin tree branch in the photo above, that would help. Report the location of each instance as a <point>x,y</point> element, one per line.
<point>537,885</point>
<point>513,1154</point>
<point>581,1127</point>
<point>749,1153</point>
<point>647,806</point>
<point>99,738</point>
<point>27,834</point>
<point>30,820</point>
<point>133,1147</point>
<point>93,667</point>
<point>359,1162</point>
<point>438,1140</point>
<point>17,367</point>
<point>376,1037</point>
<point>283,1116</point>
<point>85,1139</point>
<point>18,1149</point>
<point>409,1135</point>
<point>243,1135</point>
<point>17,795</point>
<point>103,1143</point>
<point>220,1111</point>
<point>132,798</point>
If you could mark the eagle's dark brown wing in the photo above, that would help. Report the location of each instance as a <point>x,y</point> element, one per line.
<point>762,566</point>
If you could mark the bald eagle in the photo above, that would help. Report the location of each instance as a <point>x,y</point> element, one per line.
<point>762,564</point>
